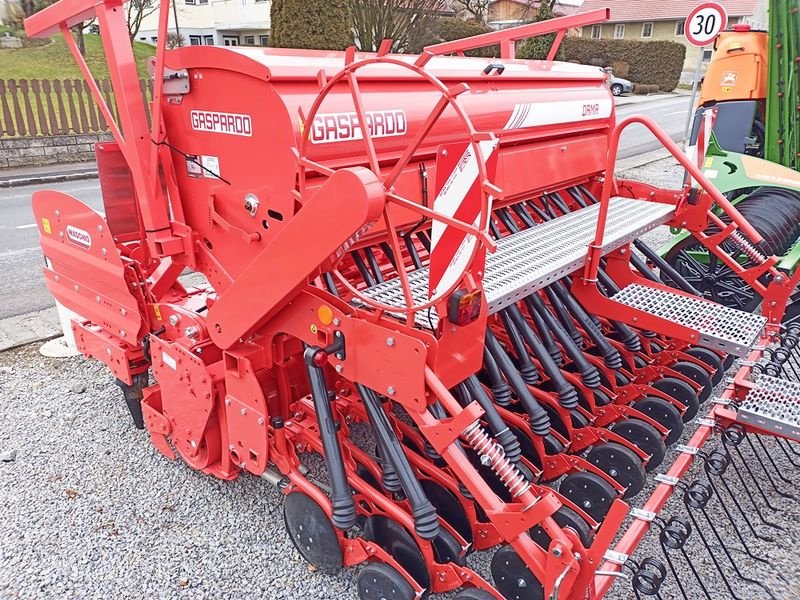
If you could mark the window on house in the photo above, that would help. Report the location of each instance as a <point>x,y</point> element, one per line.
<point>619,31</point>
<point>154,39</point>
<point>208,40</point>
<point>202,1</point>
<point>263,40</point>
<point>680,26</point>
<point>647,30</point>
<point>144,39</point>
<point>190,1</point>
<point>707,54</point>
<point>230,41</point>
<point>250,40</point>
<point>195,40</point>
<point>597,31</point>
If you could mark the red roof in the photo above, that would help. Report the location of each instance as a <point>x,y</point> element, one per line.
<point>660,10</point>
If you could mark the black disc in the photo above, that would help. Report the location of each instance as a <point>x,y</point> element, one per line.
<point>400,545</point>
<point>448,507</point>
<point>665,414</point>
<point>473,594</point>
<point>645,437</point>
<point>379,581</point>
<point>552,445</point>
<point>682,392</point>
<point>513,578</point>
<point>566,518</point>
<point>601,398</point>
<point>697,374</point>
<point>590,492</point>
<point>621,464</point>
<point>312,533</point>
<point>446,549</point>
<point>712,359</point>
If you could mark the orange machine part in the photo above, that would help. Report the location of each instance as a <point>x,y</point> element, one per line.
<point>738,69</point>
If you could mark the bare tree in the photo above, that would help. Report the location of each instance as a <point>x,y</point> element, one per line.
<point>477,9</point>
<point>175,40</point>
<point>403,21</point>
<point>135,13</point>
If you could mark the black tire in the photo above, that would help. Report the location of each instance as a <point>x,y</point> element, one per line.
<point>616,89</point>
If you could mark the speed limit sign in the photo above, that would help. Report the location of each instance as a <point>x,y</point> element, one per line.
<point>704,23</point>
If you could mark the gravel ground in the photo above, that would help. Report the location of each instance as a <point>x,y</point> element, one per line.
<point>91,510</point>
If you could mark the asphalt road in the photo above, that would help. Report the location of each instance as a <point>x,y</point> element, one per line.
<point>670,114</point>
<point>22,289</point>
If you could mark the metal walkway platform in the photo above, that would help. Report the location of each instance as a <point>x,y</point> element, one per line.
<point>774,405</point>
<point>733,331</point>
<point>538,256</point>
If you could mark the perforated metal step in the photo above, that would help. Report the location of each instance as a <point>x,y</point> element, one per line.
<point>773,404</point>
<point>538,256</point>
<point>728,329</point>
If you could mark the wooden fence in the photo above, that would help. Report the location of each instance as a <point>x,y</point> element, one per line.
<point>33,107</point>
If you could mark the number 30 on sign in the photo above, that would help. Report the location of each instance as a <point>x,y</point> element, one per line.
<point>704,23</point>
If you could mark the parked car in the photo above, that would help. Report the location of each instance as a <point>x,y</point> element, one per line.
<point>617,85</point>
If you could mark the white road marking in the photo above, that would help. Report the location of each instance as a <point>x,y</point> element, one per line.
<point>28,226</point>
<point>677,112</point>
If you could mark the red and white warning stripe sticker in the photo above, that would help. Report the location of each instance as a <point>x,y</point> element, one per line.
<point>697,151</point>
<point>459,198</point>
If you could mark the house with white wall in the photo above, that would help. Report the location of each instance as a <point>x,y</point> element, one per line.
<point>214,23</point>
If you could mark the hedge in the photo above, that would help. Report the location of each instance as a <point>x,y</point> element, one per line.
<point>650,63</point>
<point>537,48</point>
<point>448,29</point>
<point>321,24</point>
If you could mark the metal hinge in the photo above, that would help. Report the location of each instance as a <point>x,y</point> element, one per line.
<point>642,515</point>
<point>666,479</point>
<point>619,558</point>
<point>683,448</point>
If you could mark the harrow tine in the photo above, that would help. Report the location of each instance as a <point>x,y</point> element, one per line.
<point>744,514</point>
<point>756,482</point>
<point>695,497</point>
<point>724,548</point>
<point>426,521</point>
<point>750,495</point>
<point>774,466</point>
<point>782,444</point>
<point>716,463</point>
<point>673,535</point>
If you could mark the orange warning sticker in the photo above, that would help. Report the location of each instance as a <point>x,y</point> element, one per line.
<point>157,312</point>
<point>46,225</point>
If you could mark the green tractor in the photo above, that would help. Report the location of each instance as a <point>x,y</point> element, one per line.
<point>753,155</point>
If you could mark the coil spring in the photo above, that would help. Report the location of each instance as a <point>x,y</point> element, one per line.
<point>493,455</point>
<point>748,248</point>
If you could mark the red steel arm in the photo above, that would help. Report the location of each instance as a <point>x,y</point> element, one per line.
<point>590,271</point>
<point>343,208</point>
